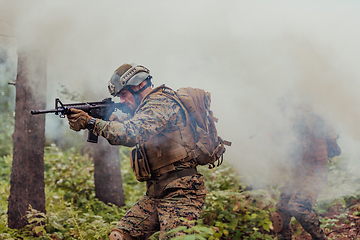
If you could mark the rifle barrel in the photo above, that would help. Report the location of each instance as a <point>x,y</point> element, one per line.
<point>35,112</point>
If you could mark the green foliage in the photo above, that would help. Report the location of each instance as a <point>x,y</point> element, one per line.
<point>233,214</point>
<point>7,102</point>
<point>5,170</point>
<point>7,120</point>
<point>199,232</point>
<point>328,223</point>
<point>239,215</point>
<point>221,178</point>
<point>6,131</point>
<point>73,212</point>
<point>69,174</point>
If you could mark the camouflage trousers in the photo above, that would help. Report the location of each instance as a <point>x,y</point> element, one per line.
<point>183,201</point>
<point>297,199</point>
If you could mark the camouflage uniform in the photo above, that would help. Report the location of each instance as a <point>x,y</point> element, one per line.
<point>182,197</point>
<point>308,176</point>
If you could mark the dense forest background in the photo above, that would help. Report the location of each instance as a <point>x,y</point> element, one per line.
<point>234,209</point>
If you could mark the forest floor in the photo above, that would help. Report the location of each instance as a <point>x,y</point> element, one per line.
<point>337,226</point>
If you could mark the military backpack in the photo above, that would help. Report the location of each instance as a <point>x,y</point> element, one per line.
<point>196,102</point>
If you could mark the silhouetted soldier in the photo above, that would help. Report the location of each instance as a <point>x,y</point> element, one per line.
<point>315,144</point>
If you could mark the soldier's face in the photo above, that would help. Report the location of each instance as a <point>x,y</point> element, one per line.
<point>127,98</point>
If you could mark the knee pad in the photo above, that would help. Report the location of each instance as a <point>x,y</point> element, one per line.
<point>115,235</point>
<point>302,213</point>
<point>118,234</point>
<point>278,220</point>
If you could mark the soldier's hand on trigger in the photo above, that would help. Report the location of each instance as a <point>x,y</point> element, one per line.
<point>113,117</point>
<point>78,119</point>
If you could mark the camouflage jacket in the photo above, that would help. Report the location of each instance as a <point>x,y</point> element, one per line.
<point>155,115</point>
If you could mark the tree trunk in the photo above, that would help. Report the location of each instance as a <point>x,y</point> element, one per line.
<point>27,174</point>
<point>107,172</point>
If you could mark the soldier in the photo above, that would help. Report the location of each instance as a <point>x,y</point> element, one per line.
<point>157,126</point>
<point>315,143</point>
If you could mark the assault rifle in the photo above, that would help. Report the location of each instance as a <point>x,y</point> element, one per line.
<point>102,110</point>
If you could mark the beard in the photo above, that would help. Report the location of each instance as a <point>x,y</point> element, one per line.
<point>127,110</point>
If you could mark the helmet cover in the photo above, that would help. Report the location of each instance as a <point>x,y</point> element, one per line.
<point>127,75</point>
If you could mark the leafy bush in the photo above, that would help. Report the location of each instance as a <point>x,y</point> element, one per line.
<point>73,212</point>
<point>7,120</point>
<point>238,215</point>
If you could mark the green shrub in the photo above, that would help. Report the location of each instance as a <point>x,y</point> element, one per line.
<point>7,106</point>
<point>73,212</point>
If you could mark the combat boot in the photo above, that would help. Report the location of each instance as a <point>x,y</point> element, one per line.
<point>285,234</point>
<point>311,224</point>
<point>316,232</point>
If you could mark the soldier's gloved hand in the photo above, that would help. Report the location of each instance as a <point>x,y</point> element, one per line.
<point>78,119</point>
<point>113,117</point>
<point>333,149</point>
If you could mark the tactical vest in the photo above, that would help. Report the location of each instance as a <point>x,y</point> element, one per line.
<point>158,154</point>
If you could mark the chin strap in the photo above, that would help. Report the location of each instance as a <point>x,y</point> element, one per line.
<point>137,93</point>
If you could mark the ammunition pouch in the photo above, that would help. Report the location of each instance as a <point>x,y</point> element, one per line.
<point>204,157</point>
<point>168,148</point>
<point>140,164</point>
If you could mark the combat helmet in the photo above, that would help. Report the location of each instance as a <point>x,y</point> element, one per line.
<point>128,75</point>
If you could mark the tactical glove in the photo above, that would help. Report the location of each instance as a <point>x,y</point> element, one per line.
<point>78,119</point>
<point>333,149</point>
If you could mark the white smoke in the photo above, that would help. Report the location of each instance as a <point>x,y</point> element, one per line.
<point>248,54</point>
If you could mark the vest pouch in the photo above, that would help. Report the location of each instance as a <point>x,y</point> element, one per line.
<point>140,164</point>
<point>206,157</point>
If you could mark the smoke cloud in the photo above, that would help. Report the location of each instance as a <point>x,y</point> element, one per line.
<point>251,56</point>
